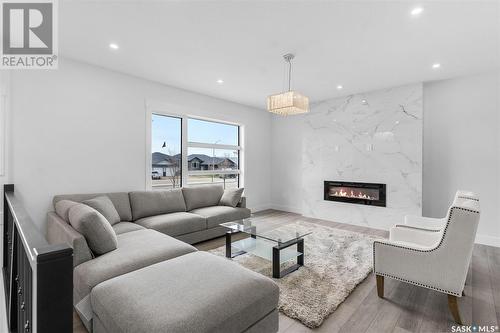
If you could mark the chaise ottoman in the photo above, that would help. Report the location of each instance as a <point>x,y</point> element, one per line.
<point>197,292</point>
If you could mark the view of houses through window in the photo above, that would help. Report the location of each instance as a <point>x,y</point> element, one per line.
<point>212,154</point>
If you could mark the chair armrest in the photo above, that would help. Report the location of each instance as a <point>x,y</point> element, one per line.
<point>59,231</point>
<point>242,203</point>
<point>412,235</point>
<point>428,223</point>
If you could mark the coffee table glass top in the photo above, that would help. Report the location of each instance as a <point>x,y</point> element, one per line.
<point>266,230</point>
<point>278,243</point>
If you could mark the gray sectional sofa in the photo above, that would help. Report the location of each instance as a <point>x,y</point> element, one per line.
<point>154,281</point>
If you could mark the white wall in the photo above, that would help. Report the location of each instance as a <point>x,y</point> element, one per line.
<point>82,128</point>
<point>286,166</point>
<point>462,147</point>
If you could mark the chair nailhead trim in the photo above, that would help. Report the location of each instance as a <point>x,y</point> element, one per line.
<point>469,198</point>
<point>419,284</point>
<point>417,228</point>
<point>418,250</point>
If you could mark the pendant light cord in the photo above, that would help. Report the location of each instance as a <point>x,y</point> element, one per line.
<point>288,60</point>
<point>289,74</point>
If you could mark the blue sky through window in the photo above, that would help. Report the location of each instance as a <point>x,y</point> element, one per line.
<point>211,132</point>
<point>168,129</point>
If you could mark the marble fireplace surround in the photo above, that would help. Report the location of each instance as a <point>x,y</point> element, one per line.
<point>374,137</point>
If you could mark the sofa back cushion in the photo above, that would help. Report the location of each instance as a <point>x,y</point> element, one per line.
<point>119,199</point>
<point>94,227</point>
<point>104,206</point>
<point>149,203</point>
<point>202,196</point>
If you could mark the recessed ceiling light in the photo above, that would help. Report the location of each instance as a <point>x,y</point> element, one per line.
<point>436,66</point>
<point>417,11</point>
<point>220,81</point>
<point>339,87</point>
<point>114,46</point>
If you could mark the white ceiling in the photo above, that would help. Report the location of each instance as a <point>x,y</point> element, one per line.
<point>362,45</point>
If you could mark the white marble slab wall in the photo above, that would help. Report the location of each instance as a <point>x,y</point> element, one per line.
<point>374,137</point>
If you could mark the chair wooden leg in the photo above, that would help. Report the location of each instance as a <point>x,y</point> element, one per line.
<point>380,286</point>
<point>453,305</point>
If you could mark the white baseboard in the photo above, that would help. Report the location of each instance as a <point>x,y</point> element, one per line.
<point>259,208</point>
<point>296,210</point>
<point>488,240</point>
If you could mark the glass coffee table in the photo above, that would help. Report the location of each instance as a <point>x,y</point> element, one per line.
<point>275,244</point>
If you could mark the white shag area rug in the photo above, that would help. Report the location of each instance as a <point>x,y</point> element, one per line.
<point>335,262</point>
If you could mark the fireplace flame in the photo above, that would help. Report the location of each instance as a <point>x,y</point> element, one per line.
<point>351,194</point>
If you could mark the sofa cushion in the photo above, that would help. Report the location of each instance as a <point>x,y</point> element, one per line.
<point>198,292</point>
<point>174,224</point>
<point>104,206</point>
<point>216,215</point>
<point>62,208</point>
<point>135,250</point>
<point>149,203</point>
<point>231,197</point>
<point>120,201</point>
<point>94,227</point>
<point>123,227</point>
<point>202,196</point>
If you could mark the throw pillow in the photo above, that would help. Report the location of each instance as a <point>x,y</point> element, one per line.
<point>231,197</point>
<point>104,206</point>
<point>94,227</point>
<point>62,208</point>
<point>200,196</point>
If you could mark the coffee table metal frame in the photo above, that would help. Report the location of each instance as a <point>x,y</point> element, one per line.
<point>277,272</point>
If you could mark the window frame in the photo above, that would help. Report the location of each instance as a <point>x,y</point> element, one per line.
<point>185,144</point>
<point>215,146</point>
<point>149,180</point>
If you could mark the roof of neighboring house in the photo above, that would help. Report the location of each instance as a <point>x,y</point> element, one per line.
<point>160,159</point>
<point>205,159</point>
<point>191,159</point>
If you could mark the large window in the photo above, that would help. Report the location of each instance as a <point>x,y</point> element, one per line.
<point>210,153</point>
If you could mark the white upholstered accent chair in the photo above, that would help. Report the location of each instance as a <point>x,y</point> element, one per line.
<point>437,259</point>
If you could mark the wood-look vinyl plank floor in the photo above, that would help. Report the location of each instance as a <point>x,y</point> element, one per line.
<point>405,308</point>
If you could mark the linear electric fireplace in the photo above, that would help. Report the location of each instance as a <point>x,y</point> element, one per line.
<point>357,193</point>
